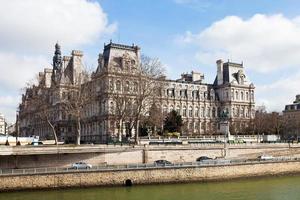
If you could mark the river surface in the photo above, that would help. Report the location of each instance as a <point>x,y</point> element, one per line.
<point>271,188</point>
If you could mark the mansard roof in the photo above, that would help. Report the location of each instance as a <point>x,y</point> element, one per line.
<point>121,46</point>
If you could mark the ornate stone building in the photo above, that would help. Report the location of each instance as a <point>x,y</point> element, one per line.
<point>54,87</point>
<point>118,71</point>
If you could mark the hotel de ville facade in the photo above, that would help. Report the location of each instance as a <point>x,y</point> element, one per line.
<point>199,103</point>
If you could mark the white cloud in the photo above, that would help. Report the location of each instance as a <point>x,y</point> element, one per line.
<point>29,30</point>
<point>264,42</point>
<point>16,70</point>
<point>268,44</point>
<point>278,93</point>
<point>35,25</point>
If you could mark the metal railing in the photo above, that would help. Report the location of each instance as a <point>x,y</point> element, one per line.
<point>205,163</point>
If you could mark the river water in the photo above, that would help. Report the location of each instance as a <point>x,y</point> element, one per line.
<point>271,188</point>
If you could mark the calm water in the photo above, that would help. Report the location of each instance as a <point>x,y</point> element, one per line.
<point>277,188</point>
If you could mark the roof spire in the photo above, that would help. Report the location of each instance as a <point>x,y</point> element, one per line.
<point>57,60</point>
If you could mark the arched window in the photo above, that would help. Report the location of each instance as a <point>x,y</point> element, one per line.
<point>242,96</point>
<point>133,63</point>
<point>236,95</point>
<point>112,108</point>
<point>247,96</point>
<point>118,85</point>
<point>111,85</point>
<point>126,88</point>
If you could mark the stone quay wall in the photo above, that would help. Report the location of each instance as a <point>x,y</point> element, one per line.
<point>42,157</point>
<point>145,176</point>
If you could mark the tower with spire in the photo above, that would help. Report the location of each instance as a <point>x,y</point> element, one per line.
<point>57,63</point>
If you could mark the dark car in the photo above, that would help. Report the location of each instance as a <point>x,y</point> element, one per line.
<point>202,158</point>
<point>162,162</point>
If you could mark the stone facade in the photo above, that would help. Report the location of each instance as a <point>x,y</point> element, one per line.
<point>118,71</point>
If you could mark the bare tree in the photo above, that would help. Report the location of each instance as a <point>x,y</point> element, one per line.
<point>155,118</point>
<point>149,85</point>
<point>121,109</point>
<point>260,121</point>
<point>76,102</point>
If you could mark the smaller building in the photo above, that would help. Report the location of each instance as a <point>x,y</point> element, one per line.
<point>293,110</point>
<point>291,117</point>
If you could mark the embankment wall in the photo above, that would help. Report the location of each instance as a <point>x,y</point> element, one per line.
<point>145,176</point>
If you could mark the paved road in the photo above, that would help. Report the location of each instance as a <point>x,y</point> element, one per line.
<point>216,162</point>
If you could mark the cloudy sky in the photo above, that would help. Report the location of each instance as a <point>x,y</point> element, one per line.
<point>185,34</point>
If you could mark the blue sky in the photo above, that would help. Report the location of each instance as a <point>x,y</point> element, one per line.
<point>185,34</point>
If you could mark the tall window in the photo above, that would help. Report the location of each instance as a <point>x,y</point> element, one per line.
<point>197,112</point>
<point>190,111</point>
<point>126,88</point>
<point>202,112</point>
<point>242,96</point>
<point>184,111</point>
<point>178,110</point>
<point>208,112</point>
<point>112,109</point>
<point>214,112</point>
<point>118,85</point>
<point>135,87</point>
<point>236,95</point>
<point>242,112</point>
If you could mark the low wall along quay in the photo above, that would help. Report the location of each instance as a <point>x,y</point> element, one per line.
<point>64,156</point>
<point>167,174</point>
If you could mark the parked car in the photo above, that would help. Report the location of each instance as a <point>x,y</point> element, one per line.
<point>81,165</point>
<point>162,162</point>
<point>265,157</point>
<point>202,158</point>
